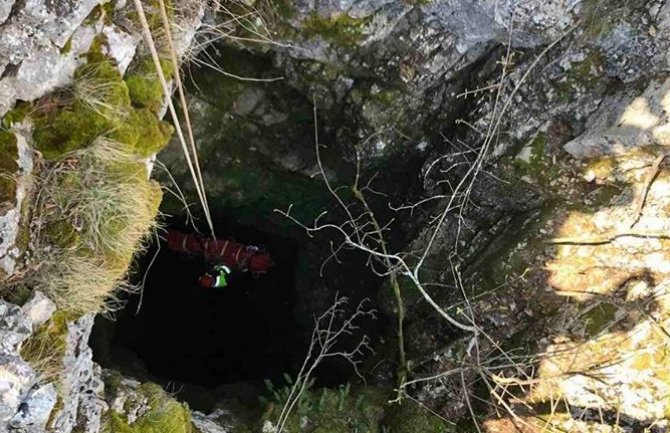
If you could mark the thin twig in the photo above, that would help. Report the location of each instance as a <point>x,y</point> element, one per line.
<point>653,172</point>
<point>606,238</point>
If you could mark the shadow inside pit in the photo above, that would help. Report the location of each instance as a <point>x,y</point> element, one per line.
<point>188,335</point>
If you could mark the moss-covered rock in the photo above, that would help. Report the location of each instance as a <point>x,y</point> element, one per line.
<point>16,114</point>
<point>45,348</point>
<point>144,86</point>
<point>143,132</point>
<point>97,181</point>
<point>410,418</point>
<point>101,106</point>
<point>163,414</point>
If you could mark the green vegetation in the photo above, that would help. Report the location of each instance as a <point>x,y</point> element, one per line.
<point>154,20</point>
<point>8,166</point>
<point>110,205</point>
<point>45,348</point>
<point>410,418</point>
<point>342,29</point>
<point>144,87</point>
<point>346,409</point>
<point>67,47</point>
<point>340,410</point>
<point>599,318</point>
<point>100,106</point>
<point>16,114</point>
<point>538,163</point>
<point>585,74</point>
<point>165,415</point>
<point>96,203</point>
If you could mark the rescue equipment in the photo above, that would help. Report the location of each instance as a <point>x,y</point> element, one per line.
<point>229,253</point>
<point>215,279</point>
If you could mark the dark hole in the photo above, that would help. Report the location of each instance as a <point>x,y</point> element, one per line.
<point>208,344</point>
<point>184,333</point>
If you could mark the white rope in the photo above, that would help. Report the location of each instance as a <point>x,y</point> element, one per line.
<point>184,108</point>
<point>166,90</point>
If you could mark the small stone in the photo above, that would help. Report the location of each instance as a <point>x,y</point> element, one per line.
<point>38,309</point>
<point>589,176</point>
<point>121,46</point>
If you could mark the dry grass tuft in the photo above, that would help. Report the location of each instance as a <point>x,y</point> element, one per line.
<point>96,206</point>
<point>97,86</point>
<point>46,347</point>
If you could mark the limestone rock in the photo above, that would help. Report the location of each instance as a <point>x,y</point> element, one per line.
<point>38,309</point>
<point>16,378</point>
<point>34,411</point>
<point>15,327</point>
<point>128,401</point>
<point>31,42</point>
<point>5,9</point>
<point>10,222</point>
<point>81,382</point>
<point>627,122</point>
<point>208,423</point>
<point>121,46</point>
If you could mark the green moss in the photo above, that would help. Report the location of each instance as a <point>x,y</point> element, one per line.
<point>103,11</point>
<point>61,233</point>
<point>388,97</point>
<point>67,47</point>
<point>101,100</point>
<point>539,164</point>
<point>537,160</point>
<point>98,84</point>
<point>96,52</point>
<point>106,190</point>
<point>342,29</point>
<point>586,74</point>
<point>8,166</point>
<point>144,86</point>
<point>16,114</point>
<point>45,348</point>
<point>143,132</point>
<point>101,107</point>
<point>70,130</point>
<point>9,152</point>
<point>598,318</point>
<point>410,418</point>
<point>153,15</point>
<point>165,415</point>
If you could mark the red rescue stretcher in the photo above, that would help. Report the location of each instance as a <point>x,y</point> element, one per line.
<point>232,254</point>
